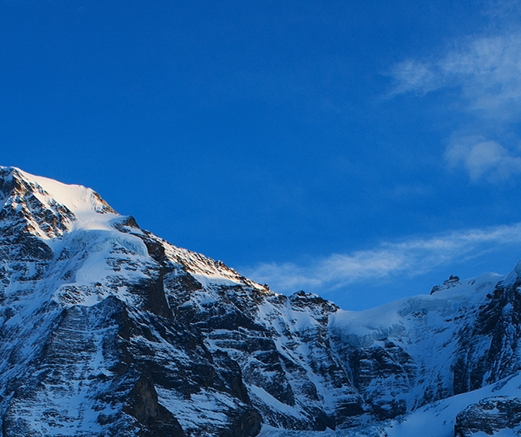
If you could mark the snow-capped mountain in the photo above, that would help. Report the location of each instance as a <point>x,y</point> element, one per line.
<point>108,330</point>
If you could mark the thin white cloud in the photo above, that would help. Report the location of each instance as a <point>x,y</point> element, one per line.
<point>410,258</point>
<point>486,69</point>
<point>486,73</point>
<point>415,76</point>
<point>482,158</point>
<point>503,13</point>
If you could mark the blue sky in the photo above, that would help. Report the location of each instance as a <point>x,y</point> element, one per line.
<point>361,150</point>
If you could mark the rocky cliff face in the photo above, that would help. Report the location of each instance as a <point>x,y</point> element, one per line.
<point>489,416</point>
<point>108,330</point>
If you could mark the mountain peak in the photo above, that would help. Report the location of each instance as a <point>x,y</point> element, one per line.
<point>46,208</point>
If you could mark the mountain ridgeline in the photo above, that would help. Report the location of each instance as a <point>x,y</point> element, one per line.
<point>108,330</point>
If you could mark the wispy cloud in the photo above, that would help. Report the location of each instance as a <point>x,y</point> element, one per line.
<point>482,158</point>
<point>409,258</point>
<point>484,74</point>
<point>486,69</point>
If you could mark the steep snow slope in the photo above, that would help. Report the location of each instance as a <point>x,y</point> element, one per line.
<point>108,330</point>
<point>403,354</point>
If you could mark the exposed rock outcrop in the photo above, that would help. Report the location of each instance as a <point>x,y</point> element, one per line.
<point>489,416</point>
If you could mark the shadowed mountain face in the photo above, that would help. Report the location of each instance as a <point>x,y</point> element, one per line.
<point>108,330</point>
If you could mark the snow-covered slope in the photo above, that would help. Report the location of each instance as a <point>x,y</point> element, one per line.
<point>108,330</point>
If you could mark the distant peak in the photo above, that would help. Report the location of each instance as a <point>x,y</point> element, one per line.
<point>448,283</point>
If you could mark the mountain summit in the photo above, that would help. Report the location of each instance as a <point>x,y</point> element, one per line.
<point>108,330</point>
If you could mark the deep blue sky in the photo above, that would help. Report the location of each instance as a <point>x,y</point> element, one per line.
<point>337,147</point>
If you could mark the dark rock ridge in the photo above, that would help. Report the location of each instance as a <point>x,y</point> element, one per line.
<point>108,330</point>
<point>489,416</point>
